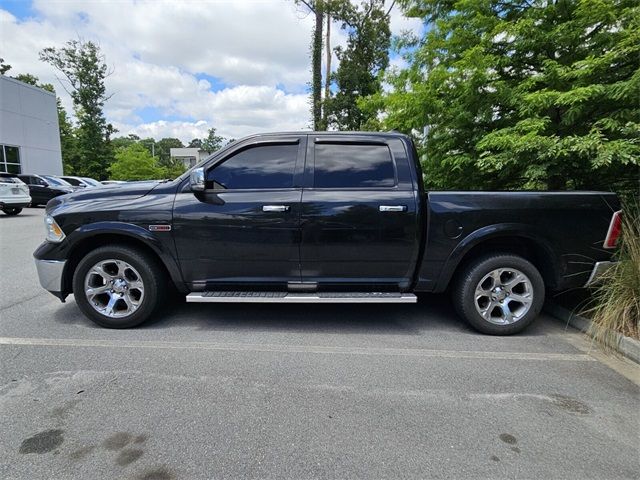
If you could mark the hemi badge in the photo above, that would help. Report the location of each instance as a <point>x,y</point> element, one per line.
<point>160,228</point>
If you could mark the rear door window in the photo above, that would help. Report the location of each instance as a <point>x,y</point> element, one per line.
<point>353,166</point>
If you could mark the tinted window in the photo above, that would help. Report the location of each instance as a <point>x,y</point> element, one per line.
<point>72,181</point>
<point>353,166</point>
<point>266,166</point>
<point>56,181</point>
<point>28,179</point>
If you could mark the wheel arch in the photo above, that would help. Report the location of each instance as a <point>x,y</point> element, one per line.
<point>90,240</point>
<point>514,239</point>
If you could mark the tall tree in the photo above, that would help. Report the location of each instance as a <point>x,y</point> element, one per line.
<point>522,94</point>
<point>84,71</point>
<point>317,8</point>
<point>361,63</point>
<point>212,142</point>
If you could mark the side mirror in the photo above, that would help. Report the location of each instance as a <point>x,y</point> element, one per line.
<point>196,179</point>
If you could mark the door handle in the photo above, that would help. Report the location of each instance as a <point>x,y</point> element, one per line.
<point>393,208</point>
<point>275,208</point>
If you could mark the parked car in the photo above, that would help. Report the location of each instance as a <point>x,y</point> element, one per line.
<point>14,194</point>
<point>42,190</point>
<point>58,182</point>
<point>322,217</point>
<point>81,182</point>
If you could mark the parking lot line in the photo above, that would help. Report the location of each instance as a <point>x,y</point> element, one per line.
<point>312,349</point>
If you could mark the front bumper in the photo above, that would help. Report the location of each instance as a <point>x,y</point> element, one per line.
<point>598,270</point>
<point>50,275</point>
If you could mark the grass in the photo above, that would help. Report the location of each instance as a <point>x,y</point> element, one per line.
<point>617,299</point>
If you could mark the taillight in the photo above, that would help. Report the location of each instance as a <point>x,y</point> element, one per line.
<point>615,227</point>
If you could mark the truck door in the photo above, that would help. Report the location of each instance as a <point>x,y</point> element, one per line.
<point>359,214</point>
<point>243,231</point>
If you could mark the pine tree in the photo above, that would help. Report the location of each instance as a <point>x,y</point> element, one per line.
<point>513,94</point>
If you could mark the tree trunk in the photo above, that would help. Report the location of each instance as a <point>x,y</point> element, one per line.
<point>327,76</point>
<point>316,68</point>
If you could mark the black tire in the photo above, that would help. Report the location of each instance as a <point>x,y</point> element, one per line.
<point>11,211</point>
<point>152,275</point>
<point>464,293</point>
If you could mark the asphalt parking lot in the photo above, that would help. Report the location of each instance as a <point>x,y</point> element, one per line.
<point>298,391</point>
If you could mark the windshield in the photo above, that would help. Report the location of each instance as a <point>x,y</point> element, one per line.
<point>56,181</point>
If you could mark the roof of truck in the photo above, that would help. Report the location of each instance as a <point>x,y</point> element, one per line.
<point>313,132</point>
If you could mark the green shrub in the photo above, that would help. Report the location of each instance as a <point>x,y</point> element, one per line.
<point>617,298</point>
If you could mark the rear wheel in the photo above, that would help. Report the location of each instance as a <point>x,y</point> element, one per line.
<point>11,210</point>
<point>118,286</point>
<point>499,294</point>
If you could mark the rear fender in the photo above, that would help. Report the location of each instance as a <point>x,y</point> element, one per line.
<point>492,232</point>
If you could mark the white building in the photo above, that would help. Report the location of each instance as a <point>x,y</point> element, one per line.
<point>188,156</point>
<point>29,131</point>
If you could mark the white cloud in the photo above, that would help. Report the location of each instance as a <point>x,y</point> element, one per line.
<point>399,23</point>
<point>160,51</point>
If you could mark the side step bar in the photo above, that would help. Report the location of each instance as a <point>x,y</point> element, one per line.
<point>288,297</point>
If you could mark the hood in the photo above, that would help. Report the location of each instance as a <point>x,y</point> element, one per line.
<point>85,196</point>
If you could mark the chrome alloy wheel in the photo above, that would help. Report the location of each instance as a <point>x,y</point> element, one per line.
<point>504,296</point>
<point>114,288</point>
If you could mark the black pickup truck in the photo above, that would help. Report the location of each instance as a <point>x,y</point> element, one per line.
<point>321,217</point>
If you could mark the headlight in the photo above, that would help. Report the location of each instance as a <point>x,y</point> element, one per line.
<point>54,232</point>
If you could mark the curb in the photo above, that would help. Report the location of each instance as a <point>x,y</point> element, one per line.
<point>625,346</point>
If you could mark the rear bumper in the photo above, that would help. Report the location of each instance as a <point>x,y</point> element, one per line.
<point>18,202</point>
<point>598,270</point>
<point>50,275</point>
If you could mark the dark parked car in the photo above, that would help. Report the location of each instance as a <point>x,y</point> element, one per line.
<point>43,189</point>
<point>322,217</point>
<point>81,182</point>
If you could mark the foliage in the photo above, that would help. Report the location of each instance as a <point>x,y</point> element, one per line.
<point>119,143</point>
<point>84,69</point>
<point>4,67</point>
<point>321,9</point>
<point>171,168</point>
<point>195,143</point>
<point>521,94</point>
<point>135,163</point>
<point>163,149</point>
<point>618,296</point>
<point>68,140</point>
<point>212,142</point>
<point>365,56</point>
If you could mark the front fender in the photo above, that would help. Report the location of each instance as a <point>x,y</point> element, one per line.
<point>162,247</point>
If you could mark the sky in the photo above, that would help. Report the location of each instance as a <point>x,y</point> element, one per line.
<point>181,67</point>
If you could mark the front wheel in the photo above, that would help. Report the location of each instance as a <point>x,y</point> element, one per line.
<point>499,294</point>
<point>11,211</point>
<point>118,286</point>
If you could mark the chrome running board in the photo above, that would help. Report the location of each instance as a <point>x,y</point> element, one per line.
<point>288,297</point>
